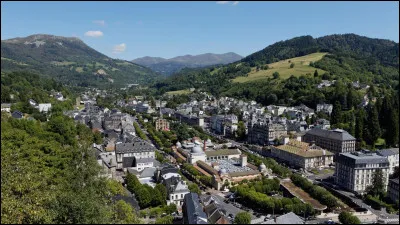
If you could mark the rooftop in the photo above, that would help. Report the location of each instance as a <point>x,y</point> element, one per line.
<point>336,134</point>
<point>388,152</point>
<point>223,152</point>
<point>364,158</point>
<point>303,149</point>
<point>232,167</point>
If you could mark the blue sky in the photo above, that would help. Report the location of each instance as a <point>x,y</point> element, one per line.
<point>128,30</point>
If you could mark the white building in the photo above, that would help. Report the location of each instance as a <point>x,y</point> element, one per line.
<point>44,107</point>
<point>392,154</point>
<point>355,171</point>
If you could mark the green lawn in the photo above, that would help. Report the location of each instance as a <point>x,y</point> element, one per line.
<point>380,142</point>
<point>179,92</point>
<point>79,69</point>
<point>283,68</point>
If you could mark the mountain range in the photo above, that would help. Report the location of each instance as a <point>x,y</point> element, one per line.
<point>69,60</point>
<point>170,66</point>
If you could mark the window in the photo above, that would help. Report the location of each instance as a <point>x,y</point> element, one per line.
<point>172,197</point>
<point>181,195</point>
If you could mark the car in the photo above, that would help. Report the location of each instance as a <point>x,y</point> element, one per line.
<point>268,216</point>
<point>230,215</point>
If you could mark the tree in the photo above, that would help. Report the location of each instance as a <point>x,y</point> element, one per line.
<point>359,127</point>
<point>373,125</point>
<point>165,220</point>
<point>171,208</point>
<point>348,218</point>
<point>193,187</point>
<point>124,213</point>
<point>97,138</point>
<point>162,189</point>
<point>242,218</point>
<point>315,73</point>
<point>377,188</point>
<point>241,131</point>
<point>336,116</point>
<point>392,132</point>
<point>275,75</point>
<point>292,65</point>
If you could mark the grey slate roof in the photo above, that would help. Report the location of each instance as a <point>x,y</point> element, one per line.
<point>388,152</point>
<point>361,158</point>
<point>137,145</point>
<point>336,134</point>
<point>194,210</point>
<point>144,160</point>
<point>289,218</point>
<point>148,172</point>
<point>128,162</point>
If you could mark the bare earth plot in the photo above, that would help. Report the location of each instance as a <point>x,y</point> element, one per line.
<point>283,68</point>
<point>302,195</point>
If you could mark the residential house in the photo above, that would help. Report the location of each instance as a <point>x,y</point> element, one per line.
<point>137,148</point>
<point>176,190</point>
<point>326,108</point>
<point>193,210</point>
<point>17,114</point>
<point>6,107</point>
<point>44,107</point>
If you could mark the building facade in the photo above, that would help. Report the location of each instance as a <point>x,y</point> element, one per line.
<point>162,124</point>
<point>336,141</point>
<point>355,171</point>
<point>264,134</point>
<point>138,148</point>
<point>301,154</point>
<point>392,154</point>
<point>393,189</point>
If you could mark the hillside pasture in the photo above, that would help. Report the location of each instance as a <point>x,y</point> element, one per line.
<point>179,92</point>
<point>301,67</point>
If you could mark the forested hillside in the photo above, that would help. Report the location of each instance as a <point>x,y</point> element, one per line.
<point>49,172</point>
<point>70,61</point>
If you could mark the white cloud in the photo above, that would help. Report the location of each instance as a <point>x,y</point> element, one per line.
<point>94,33</point>
<point>227,2</point>
<point>119,48</point>
<point>100,22</point>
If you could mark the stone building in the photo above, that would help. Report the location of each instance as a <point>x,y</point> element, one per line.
<point>263,134</point>
<point>301,154</point>
<point>355,171</point>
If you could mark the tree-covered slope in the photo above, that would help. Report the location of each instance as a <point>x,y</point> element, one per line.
<point>351,57</point>
<point>170,66</point>
<point>70,61</point>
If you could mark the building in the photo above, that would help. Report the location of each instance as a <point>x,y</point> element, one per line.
<point>392,154</point>
<point>216,214</point>
<point>393,189</point>
<point>193,210</point>
<point>138,148</point>
<point>288,218</point>
<point>162,124</point>
<point>44,107</point>
<point>301,154</point>
<point>190,119</point>
<point>176,190</point>
<point>6,107</point>
<point>263,134</point>
<point>336,141</point>
<point>355,171</point>
<point>326,108</point>
<point>17,114</point>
